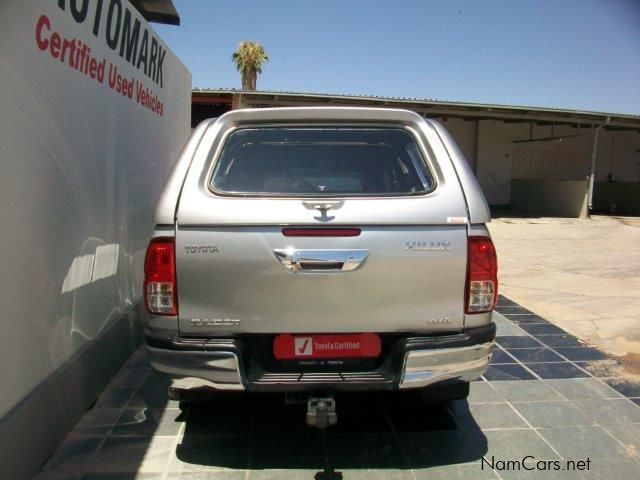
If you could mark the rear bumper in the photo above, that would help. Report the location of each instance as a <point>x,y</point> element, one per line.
<point>414,362</point>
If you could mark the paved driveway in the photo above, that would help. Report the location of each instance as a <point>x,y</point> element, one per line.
<point>546,401</point>
<point>583,275</point>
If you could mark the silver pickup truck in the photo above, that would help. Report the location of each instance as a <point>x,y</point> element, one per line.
<point>315,250</point>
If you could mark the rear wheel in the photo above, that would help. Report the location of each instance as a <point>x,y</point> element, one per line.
<point>446,393</point>
<point>174,394</point>
<point>186,397</point>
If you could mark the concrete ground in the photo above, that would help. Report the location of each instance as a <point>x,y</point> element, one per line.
<point>583,275</point>
<point>546,403</point>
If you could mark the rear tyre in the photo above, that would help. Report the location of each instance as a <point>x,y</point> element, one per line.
<point>191,397</point>
<point>174,394</point>
<point>446,393</point>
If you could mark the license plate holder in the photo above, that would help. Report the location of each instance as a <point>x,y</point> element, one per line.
<point>326,346</point>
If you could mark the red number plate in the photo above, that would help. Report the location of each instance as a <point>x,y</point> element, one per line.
<point>300,347</point>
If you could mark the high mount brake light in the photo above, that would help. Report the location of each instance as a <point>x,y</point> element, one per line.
<point>481,291</point>
<point>320,232</point>
<point>160,293</point>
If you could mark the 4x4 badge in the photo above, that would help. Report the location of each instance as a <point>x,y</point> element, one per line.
<point>427,246</point>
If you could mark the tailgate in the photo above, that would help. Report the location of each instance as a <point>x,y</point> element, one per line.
<point>404,270</point>
<point>242,283</point>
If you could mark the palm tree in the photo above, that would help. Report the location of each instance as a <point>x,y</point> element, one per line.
<point>249,58</point>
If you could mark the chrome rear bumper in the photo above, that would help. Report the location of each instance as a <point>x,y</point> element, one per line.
<point>415,362</point>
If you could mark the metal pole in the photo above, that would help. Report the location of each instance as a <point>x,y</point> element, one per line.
<point>592,174</point>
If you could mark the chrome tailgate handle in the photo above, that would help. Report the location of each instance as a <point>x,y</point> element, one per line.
<point>321,260</point>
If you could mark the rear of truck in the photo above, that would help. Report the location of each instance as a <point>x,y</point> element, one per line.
<point>320,249</point>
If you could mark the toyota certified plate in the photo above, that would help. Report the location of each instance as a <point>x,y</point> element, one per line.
<point>300,347</point>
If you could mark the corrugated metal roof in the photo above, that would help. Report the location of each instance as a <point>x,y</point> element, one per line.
<point>158,11</point>
<point>585,115</point>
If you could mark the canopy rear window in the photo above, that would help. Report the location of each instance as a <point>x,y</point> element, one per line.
<point>321,161</point>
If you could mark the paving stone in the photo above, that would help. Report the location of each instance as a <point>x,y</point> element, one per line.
<point>537,329</point>
<point>627,387</point>
<point>581,353</point>
<point>535,355</point>
<point>584,441</point>
<point>500,356</point>
<point>74,453</point>
<point>506,302</point>
<point>507,372</point>
<point>546,474</point>
<point>429,449</point>
<point>303,474</point>
<point>602,368</point>
<point>146,422</point>
<point>490,416</point>
<point>151,394</point>
<point>215,475</point>
<point>582,388</point>
<point>59,475</point>
<point>628,434</point>
<point>219,419</point>
<point>614,468</point>
<point>552,414</point>
<point>517,444</point>
<point>518,391</point>
<point>129,377</point>
<point>606,412</point>
<point>199,453</point>
<point>524,318</point>
<point>557,370</point>
<point>453,472</point>
<point>562,340</point>
<point>525,341</point>
<point>484,392</point>
<point>367,451</point>
<point>512,309</point>
<point>115,397</point>
<point>133,454</point>
<point>97,421</point>
<point>506,327</point>
<point>422,418</point>
<point>286,451</point>
<point>123,476</point>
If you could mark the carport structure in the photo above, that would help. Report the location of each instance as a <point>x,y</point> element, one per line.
<point>540,161</point>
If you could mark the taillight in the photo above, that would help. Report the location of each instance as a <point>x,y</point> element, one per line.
<point>160,294</point>
<point>482,276</point>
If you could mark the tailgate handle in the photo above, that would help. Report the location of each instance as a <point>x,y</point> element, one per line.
<point>321,260</point>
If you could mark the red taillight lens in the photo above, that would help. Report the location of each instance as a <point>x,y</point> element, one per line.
<point>160,294</point>
<point>320,232</point>
<point>482,275</point>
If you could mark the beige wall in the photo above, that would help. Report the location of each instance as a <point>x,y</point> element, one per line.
<point>500,160</point>
<point>549,197</point>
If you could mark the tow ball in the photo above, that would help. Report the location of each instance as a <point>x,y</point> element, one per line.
<point>321,412</point>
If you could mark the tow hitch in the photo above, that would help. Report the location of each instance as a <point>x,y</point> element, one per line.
<point>321,412</point>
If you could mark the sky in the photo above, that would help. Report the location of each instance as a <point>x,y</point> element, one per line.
<point>576,54</point>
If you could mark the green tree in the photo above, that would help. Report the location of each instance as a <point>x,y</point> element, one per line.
<point>249,58</point>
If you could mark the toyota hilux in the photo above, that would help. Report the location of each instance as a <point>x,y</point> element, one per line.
<point>314,250</point>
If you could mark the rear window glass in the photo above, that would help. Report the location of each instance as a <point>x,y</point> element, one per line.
<point>321,161</point>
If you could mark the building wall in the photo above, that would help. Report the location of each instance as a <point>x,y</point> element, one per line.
<point>82,166</point>
<point>494,160</point>
<point>501,161</point>
<point>464,134</point>
<point>562,198</point>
